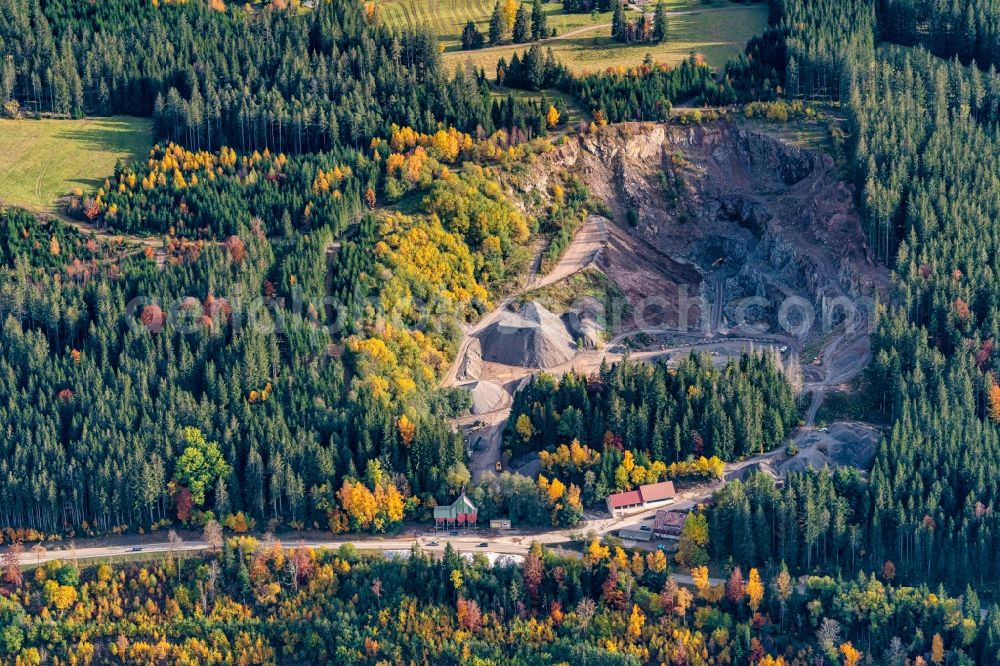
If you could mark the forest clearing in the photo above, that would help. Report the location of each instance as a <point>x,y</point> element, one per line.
<point>42,160</point>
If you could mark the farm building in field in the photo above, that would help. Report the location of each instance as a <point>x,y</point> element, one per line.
<point>461,513</point>
<point>647,496</point>
<point>500,524</point>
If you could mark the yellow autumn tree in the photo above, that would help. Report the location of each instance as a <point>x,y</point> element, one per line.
<point>508,10</point>
<point>692,547</point>
<point>700,577</point>
<point>755,590</point>
<point>406,429</point>
<point>768,660</point>
<point>638,564</point>
<point>993,396</point>
<point>656,561</point>
<point>554,489</point>
<point>624,472</point>
<point>682,601</point>
<point>596,553</point>
<point>394,505</point>
<point>358,503</point>
<point>636,623</point>
<point>54,248</point>
<point>524,427</point>
<point>552,118</point>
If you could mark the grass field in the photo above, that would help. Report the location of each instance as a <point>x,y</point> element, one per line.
<point>447,17</point>
<point>719,33</point>
<point>41,160</point>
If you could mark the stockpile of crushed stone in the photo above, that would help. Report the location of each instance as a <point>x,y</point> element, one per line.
<point>843,444</point>
<point>486,397</point>
<point>530,338</point>
<point>744,473</point>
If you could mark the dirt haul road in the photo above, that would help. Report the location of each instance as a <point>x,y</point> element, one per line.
<point>583,251</point>
<point>845,356</point>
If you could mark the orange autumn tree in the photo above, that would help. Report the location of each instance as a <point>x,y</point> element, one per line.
<point>852,656</point>
<point>376,505</point>
<point>407,429</point>
<point>993,398</point>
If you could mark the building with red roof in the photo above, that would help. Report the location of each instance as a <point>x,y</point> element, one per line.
<point>646,496</point>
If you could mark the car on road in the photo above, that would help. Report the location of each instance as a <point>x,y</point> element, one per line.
<point>136,549</point>
<point>645,528</point>
<point>483,545</point>
<point>453,533</point>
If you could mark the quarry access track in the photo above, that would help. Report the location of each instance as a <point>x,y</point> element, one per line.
<point>841,359</point>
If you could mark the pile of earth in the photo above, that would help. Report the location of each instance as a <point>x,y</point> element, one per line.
<point>472,363</point>
<point>743,473</point>
<point>843,444</point>
<point>532,337</point>
<point>486,397</point>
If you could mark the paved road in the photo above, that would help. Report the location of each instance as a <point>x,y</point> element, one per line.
<point>517,544</point>
<point>510,543</point>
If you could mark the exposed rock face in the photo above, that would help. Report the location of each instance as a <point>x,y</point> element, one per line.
<point>756,215</point>
<point>531,338</point>
<point>585,322</point>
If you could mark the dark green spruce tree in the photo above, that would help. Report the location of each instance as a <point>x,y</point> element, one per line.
<point>496,25</point>
<point>522,25</point>
<point>660,23</point>
<point>539,28</point>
